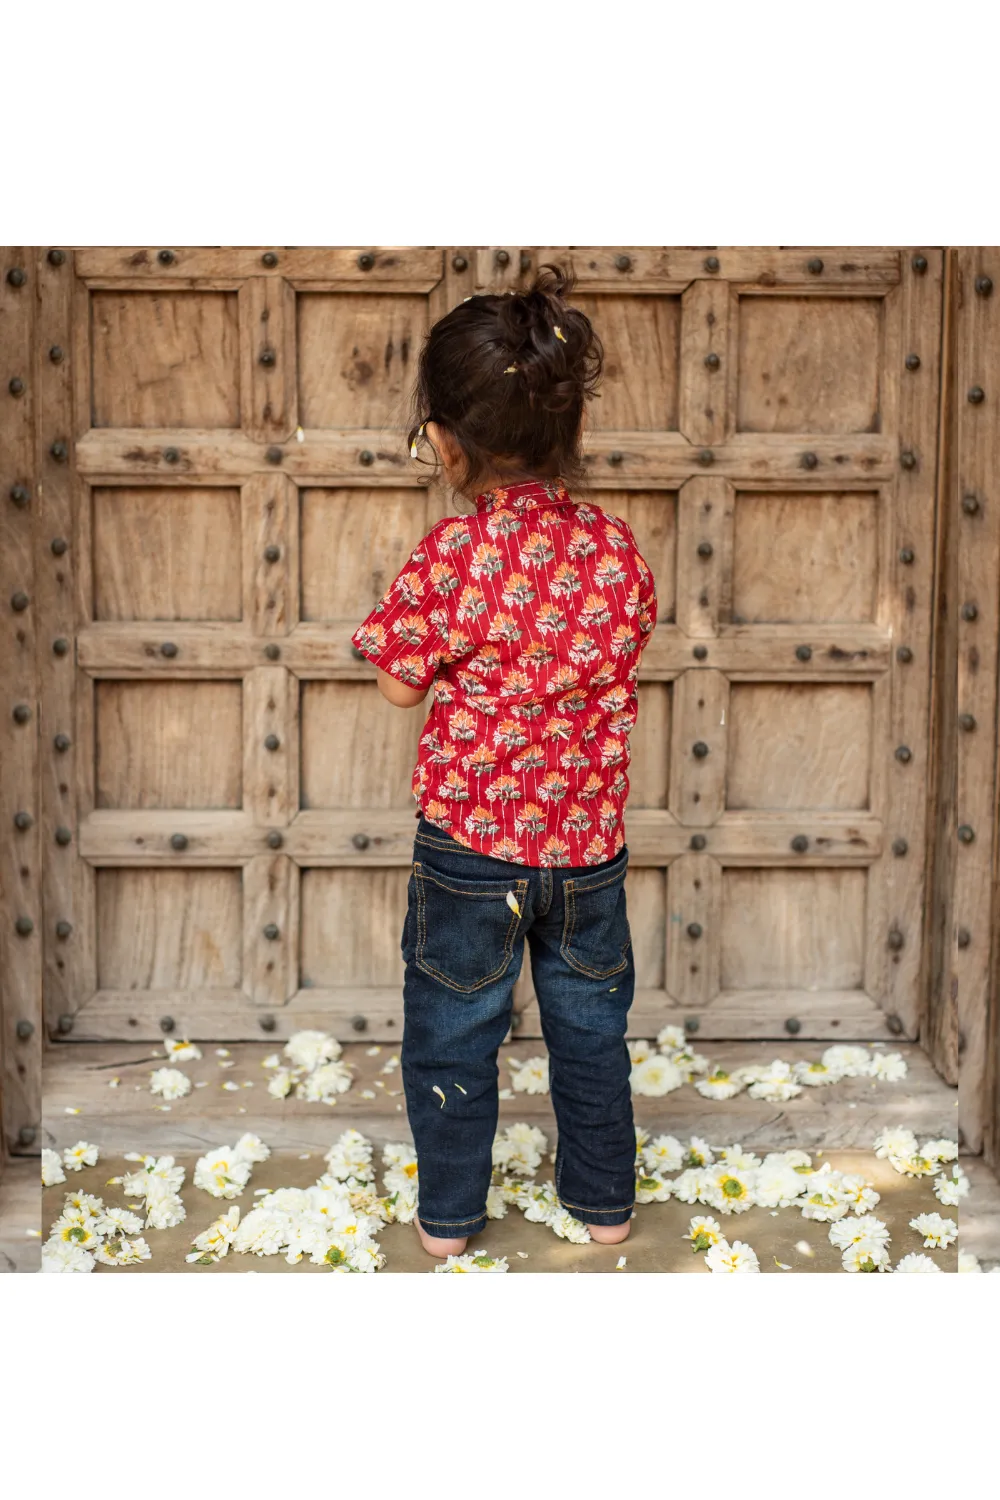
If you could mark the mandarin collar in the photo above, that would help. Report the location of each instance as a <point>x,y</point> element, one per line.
<point>527,495</point>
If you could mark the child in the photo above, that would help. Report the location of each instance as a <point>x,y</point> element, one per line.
<point>529,618</point>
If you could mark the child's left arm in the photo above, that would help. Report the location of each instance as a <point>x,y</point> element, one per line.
<point>413,626</point>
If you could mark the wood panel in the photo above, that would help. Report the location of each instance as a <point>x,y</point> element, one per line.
<point>165,359</point>
<point>168,929</point>
<point>806,558</point>
<point>169,744</point>
<point>357,357</point>
<point>156,553</point>
<point>808,364</point>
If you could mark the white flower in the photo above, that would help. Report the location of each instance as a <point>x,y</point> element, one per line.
<point>815,1073</point>
<point>847,1232</point>
<point>735,1258</point>
<point>134,1183</point>
<point>639,1051</point>
<point>966,1261</point>
<point>695,1185</point>
<point>116,1222</point>
<point>52,1172</point>
<point>641,1137</point>
<point>672,1036</point>
<point>858,1193</point>
<point>77,1229</point>
<point>703,1233</point>
<point>732,1189</point>
<point>889,1066</point>
<point>775,1083</point>
<point>350,1156</point>
<point>400,1156</point>
<point>87,1205</point>
<point>943,1150</point>
<point>800,1160</point>
<point>919,1264</point>
<point>718,1085</point>
<point>735,1156</point>
<point>824,1200</point>
<point>698,1153</point>
<point>61,1257</point>
<point>214,1242</point>
<point>181,1051</point>
<point>307,1049</point>
<point>222,1173</point>
<point>279,1085</point>
<point>75,1158</point>
<point>169,1083</point>
<point>914,1165</point>
<point>323,1084</point>
<point>895,1140</point>
<point>519,1150</point>
<point>568,1228</point>
<point>866,1254</point>
<point>262,1232</point>
<point>664,1154</point>
<point>776,1184</point>
<point>539,1202</point>
<point>496,1207</point>
<point>251,1148</point>
<point>652,1189</point>
<point>852,1062</point>
<point>532,1077</point>
<point>686,1062</point>
<point>938,1233</point>
<point>950,1190</point>
<point>164,1208</point>
<point>127,1253</point>
<point>477,1263</point>
<point>655,1077</point>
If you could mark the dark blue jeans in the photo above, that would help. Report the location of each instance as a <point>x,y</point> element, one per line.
<point>463,946</point>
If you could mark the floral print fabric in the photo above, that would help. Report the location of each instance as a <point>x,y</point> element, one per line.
<point>530,618</point>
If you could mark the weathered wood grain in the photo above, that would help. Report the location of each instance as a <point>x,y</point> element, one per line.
<point>974,615</point>
<point>21,893</point>
<point>704,415</point>
<point>269,407</point>
<point>65,879</point>
<point>140,266</point>
<point>705,509</point>
<point>126,1117</point>
<point>332,455</point>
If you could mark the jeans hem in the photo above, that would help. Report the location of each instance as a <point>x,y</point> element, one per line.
<point>608,1216</point>
<point>448,1229</point>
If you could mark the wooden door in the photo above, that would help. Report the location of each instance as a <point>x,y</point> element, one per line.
<point>769,430</point>
<point>242,824</point>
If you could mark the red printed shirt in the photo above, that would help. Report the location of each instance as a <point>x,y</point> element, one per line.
<point>530,618</point>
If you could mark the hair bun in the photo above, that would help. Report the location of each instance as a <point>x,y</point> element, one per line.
<point>555,350</point>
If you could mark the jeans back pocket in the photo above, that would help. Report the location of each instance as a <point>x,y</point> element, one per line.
<point>596,933</point>
<point>465,929</point>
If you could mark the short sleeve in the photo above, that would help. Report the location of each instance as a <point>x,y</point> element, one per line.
<point>647,598</point>
<point>414,628</point>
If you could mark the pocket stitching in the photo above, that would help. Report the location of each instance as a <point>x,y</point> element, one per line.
<point>427,968</point>
<point>569,927</point>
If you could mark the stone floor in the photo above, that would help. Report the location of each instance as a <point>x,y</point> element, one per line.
<point>100,1092</point>
<point>655,1244</point>
<point>20,1215</point>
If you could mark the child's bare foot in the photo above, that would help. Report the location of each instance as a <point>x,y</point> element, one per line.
<point>610,1234</point>
<point>440,1248</point>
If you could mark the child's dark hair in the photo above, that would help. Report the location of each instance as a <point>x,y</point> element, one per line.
<point>508,375</point>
